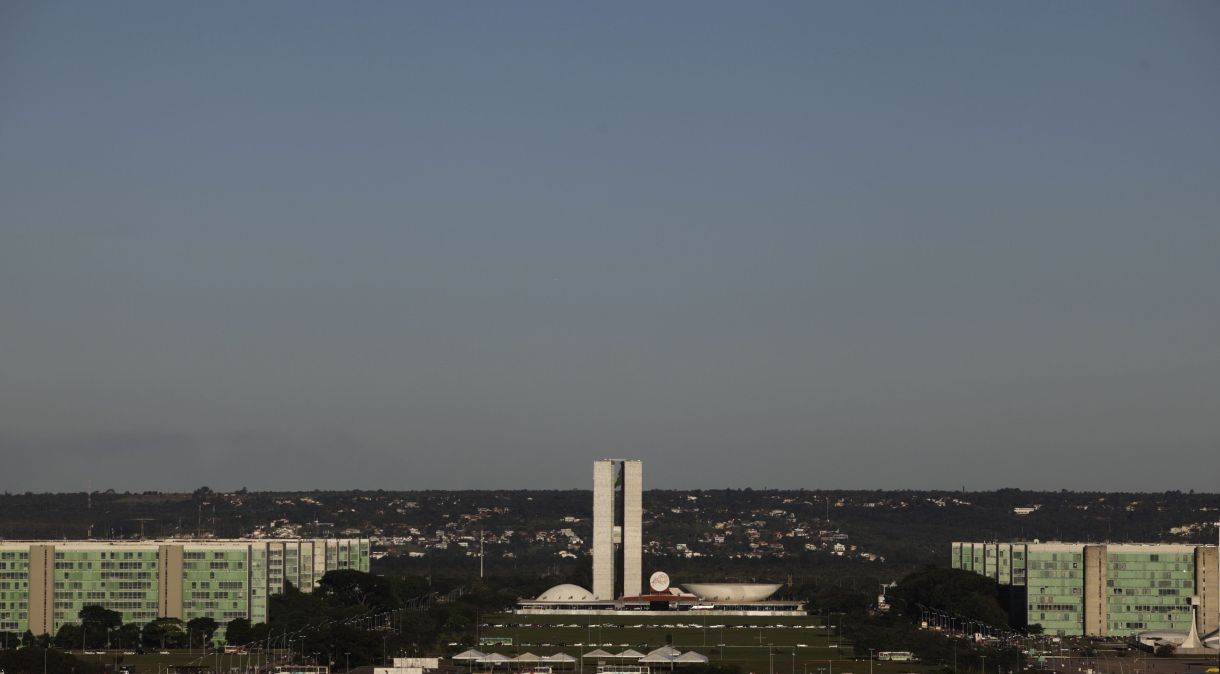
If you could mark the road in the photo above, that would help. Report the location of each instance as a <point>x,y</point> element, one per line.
<point>1134,664</point>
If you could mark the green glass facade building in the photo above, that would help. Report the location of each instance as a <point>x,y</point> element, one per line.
<point>1105,590</point>
<point>45,584</point>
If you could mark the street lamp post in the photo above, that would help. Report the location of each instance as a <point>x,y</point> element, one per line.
<point>830,628</point>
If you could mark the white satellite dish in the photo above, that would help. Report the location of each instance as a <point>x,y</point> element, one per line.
<point>659,581</point>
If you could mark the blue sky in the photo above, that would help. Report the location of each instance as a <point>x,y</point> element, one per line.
<point>800,244</point>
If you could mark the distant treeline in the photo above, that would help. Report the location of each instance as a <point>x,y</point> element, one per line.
<point>909,529</point>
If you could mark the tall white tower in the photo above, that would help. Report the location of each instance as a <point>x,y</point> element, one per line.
<point>603,529</point>
<point>633,528</point>
<point>618,514</point>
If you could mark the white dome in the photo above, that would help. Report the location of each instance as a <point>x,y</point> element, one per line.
<point>566,592</point>
<point>734,592</point>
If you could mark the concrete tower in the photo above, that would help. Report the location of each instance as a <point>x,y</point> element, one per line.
<point>633,528</point>
<point>603,529</point>
<point>618,514</point>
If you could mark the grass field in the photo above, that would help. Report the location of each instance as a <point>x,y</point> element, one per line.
<point>783,645</point>
<point>761,645</point>
<point>153,662</point>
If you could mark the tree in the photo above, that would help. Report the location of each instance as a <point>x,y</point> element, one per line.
<point>260,632</point>
<point>68,636</point>
<point>955,591</point>
<point>97,622</point>
<point>97,615</point>
<point>348,586</point>
<point>204,628</point>
<point>841,600</point>
<point>238,632</point>
<point>128,636</point>
<point>164,632</point>
<point>410,587</point>
<point>1035,628</point>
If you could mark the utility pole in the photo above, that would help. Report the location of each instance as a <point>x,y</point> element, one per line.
<point>480,553</point>
<point>142,520</point>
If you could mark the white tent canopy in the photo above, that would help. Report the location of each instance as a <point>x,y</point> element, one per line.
<point>629,653</point>
<point>599,653</point>
<point>558,658</point>
<point>470,654</point>
<point>668,655</point>
<point>526,657</point>
<point>494,659</point>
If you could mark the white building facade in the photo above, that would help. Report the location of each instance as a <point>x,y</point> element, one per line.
<point>618,528</point>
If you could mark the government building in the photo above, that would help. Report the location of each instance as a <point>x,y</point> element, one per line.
<point>618,565</point>
<point>1101,589</point>
<point>44,584</point>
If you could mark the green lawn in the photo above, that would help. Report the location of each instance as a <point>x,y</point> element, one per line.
<point>785,645</point>
<point>154,661</point>
<point>758,645</point>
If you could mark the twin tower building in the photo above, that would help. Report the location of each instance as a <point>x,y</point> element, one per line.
<point>618,518</point>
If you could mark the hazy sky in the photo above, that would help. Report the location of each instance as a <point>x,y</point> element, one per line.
<point>458,244</point>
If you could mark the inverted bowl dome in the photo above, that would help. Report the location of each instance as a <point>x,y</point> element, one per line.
<point>732,591</point>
